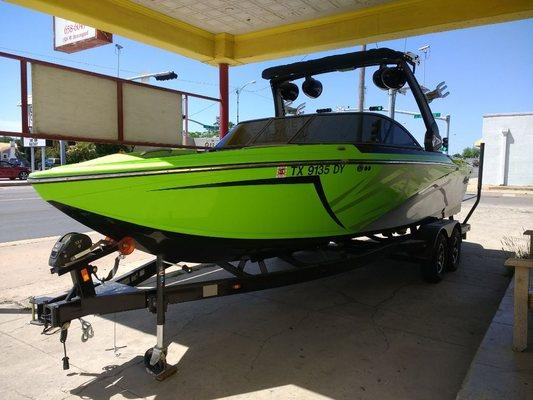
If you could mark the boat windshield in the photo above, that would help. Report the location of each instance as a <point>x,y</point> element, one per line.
<point>325,128</point>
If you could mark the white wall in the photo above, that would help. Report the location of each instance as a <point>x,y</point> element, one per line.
<point>508,149</point>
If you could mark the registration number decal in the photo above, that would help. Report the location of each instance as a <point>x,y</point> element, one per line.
<point>319,169</point>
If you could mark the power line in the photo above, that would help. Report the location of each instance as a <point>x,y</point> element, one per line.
<point>67,60</point>
<point>203,109</point>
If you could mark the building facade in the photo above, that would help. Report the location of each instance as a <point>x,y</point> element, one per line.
<point>508,142</point>
<point>8,151</point>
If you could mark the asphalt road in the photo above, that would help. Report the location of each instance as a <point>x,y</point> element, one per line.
<point>23,215</point>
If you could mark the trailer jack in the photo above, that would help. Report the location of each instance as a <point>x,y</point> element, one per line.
<point>155,358</point>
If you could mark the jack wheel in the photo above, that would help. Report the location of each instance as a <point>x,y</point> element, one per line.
<point>434,268</point>
<point>156,369</point>
<point>454,254</point>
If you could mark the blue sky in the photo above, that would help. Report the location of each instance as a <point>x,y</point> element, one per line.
<point>487,70</point>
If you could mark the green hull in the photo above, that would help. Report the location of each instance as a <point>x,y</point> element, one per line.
<point>259,193</point>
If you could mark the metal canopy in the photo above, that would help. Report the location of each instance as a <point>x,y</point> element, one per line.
<point>226,31</point>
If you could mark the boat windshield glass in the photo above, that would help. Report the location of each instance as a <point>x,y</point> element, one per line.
<point>326,128</point>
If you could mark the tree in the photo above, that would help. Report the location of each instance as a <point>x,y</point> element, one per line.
<point>471,152</point>
<point>80,152</point>
<point>83,151</point>
<point>457,155</point>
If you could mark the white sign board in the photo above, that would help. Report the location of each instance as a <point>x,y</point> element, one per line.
<point>83,106</point>
<point>70,36</point>
<point>32,142</point>
<point>68,32</point>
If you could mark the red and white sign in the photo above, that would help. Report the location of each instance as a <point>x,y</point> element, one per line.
<point>71,37</point>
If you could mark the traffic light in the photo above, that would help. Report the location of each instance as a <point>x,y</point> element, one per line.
<point>166,76</point>
<point>375,108</point>
<point>444,147</point>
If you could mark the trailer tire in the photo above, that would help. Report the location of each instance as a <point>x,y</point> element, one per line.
<point>454,250</point>
<point>156,369</point>
<point>433,269</point>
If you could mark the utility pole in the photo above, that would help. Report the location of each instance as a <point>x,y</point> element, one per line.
<point>62,152</point>
<point>392,102</point>
<point>118,49</point>
<point>43,158</point>
<point>425,49</point>
<point>32,152</point>
<point>362,84</point>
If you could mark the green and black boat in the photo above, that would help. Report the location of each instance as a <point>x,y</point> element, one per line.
<point>273,185</point>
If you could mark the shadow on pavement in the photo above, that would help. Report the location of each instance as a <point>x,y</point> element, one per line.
<point>374,332</point>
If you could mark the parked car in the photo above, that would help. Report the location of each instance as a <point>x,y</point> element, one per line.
<point>12,171</point>
<point>19,162</point>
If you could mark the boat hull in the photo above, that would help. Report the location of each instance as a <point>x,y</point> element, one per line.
<point>253,207</point>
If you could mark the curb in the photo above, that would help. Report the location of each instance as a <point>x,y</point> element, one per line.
<point>510,188</point>
<point>14,183</point>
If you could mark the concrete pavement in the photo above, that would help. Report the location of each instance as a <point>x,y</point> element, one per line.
<point>376,332</point>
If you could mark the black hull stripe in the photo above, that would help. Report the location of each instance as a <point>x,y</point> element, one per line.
<point>176,246</point>
<point>314,179</point>
<point>225,167</point>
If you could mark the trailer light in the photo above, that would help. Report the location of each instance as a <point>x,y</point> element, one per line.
<point>85,275</point>
<point>236,286</point>
<point>126,246</point>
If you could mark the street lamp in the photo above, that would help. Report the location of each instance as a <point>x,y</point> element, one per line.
<point>159,76</point>
<point>238,92</point>
<point>118,49</point>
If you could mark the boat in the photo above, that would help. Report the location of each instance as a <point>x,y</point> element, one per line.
<point>275,185</point>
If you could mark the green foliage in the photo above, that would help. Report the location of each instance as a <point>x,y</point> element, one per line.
<point>83,151</point>
<point>471,152</point>
<point>106,149</point>
<point>200,134</point>
<point>457,155</point>
<point>459,161</point>
<point>210,132</point>
<point>80,152</point>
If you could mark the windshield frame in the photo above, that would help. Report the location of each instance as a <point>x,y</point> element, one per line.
<point>311,117</point>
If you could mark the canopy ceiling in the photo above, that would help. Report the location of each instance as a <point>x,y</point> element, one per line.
<point>243,31</point>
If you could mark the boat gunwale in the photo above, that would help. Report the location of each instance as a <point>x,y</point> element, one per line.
<point>222,167</point>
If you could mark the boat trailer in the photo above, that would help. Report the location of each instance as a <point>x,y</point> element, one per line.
<point>92,295</point>
<point>435,244</point>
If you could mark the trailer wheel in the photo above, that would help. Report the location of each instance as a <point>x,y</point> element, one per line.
<point>156,369</point>
<point>454,253</point>
<point>434,268</point>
